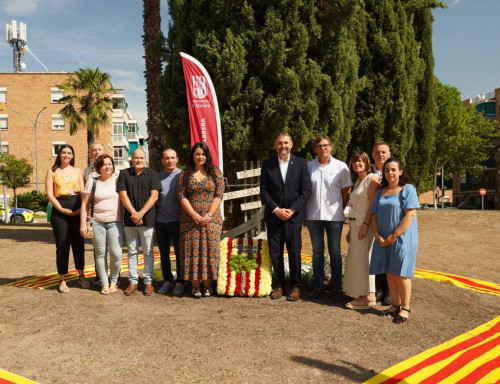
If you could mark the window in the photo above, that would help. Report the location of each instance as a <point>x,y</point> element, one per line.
<point>3,122</point>
<point>58,123</point>
<point>118,129</point>
<point>132,130</point>
<point>5,147</point>
<point>118,152</point>
<point>56,146</point>
<point>3,95</point>
<point>56,94</point>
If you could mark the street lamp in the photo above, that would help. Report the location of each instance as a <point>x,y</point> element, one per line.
<point>35,122</point>
<point>2,107</point>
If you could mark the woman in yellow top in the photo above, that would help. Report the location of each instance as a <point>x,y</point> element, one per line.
<point>63,184</point>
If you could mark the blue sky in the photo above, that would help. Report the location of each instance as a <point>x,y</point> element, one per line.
<point>67,34</point>
<point>465,43</point>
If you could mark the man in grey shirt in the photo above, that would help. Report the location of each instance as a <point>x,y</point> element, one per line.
<point>168,211</point>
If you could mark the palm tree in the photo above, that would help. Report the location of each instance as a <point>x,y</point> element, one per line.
<point>89,103</point>
<point>153,45</point>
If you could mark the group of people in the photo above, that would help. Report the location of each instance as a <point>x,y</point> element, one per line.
<point>382,233</point>
<point>184,207</point>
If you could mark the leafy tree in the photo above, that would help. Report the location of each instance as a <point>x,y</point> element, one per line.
<point>395,102</point>
<point>15,173</point>
<point>153,41</point>
<point>88,104</point>
<point>463,137</point>
<point>358,71</point>
<point>266,82</point>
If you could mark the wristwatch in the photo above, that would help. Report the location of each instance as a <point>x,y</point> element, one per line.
<point>210,214</point>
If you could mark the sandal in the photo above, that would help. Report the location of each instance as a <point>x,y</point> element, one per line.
<point>208,292</point>
<point>85,284</point>
<point>62,288</point>
<point>388,312</point>
<point>105,290</point>
<point>113,288</point>
<point>355,304</point>
<point>398,319</point>
<point>196,292</point>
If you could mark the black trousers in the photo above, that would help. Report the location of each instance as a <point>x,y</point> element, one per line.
<point>67,234</point>
<point>381,284</point>
<point>165,232</point>
<point>280,233</point>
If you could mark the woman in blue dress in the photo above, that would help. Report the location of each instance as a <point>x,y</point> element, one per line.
<point>394,224</point>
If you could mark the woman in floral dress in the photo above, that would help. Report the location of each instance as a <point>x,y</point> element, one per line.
<point>200,191</point>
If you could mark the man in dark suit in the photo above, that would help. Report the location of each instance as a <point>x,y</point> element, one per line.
<point>285,187</point>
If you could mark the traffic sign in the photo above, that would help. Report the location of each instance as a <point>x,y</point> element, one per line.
<point>482,191</point>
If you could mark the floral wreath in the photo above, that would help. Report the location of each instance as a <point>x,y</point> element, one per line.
<point>245,268</point>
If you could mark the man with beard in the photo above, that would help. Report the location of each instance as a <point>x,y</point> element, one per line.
<point>138,188</point>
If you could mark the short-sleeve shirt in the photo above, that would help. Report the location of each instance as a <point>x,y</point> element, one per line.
<point>168,207</point>
<point>138,188</point>
<point>328,181</point>
<point>107,205</point>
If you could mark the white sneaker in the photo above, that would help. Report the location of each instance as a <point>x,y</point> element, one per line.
<point>165,287</point>
<point>179,289</point>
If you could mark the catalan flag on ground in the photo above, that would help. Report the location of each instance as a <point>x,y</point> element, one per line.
<point>473,357</point>
<point>10,378</point>
<point>51,279</point>
<point>463,282</point>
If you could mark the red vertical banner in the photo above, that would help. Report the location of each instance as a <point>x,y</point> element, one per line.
<point>203,108</point>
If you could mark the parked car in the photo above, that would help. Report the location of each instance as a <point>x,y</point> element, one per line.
<point>16,216</point>
<point>468,205</point>
<point>447,205</point>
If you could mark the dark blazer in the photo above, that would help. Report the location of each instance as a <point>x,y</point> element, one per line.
<point>290,193</point>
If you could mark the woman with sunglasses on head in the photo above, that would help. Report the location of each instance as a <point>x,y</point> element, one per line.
<point>394,224</point>
<point>63,184</point>
<point>104,210</point>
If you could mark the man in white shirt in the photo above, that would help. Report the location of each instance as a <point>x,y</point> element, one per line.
<point>380,153</point>
<point>331,188</point>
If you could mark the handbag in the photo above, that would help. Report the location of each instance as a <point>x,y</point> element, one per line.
<point>90,229</point>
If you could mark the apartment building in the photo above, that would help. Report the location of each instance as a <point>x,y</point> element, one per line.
<point>28,95</point>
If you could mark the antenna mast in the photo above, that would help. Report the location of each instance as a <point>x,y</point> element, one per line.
<point>16,37</point>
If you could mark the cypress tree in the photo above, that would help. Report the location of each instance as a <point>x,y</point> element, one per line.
<point>257,55</point>
<point>396,102</point>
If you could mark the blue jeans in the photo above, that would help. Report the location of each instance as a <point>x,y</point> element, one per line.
<point>333,229</point>
<point>110,233</point>
<point>143,235</point>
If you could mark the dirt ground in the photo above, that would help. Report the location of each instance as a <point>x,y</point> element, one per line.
<point>84,337</point>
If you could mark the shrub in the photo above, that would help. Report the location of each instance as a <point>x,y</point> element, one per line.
<point>33,200</point>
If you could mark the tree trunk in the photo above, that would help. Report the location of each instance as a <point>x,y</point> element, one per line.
<point>90,142</point>
<point>152,31</point>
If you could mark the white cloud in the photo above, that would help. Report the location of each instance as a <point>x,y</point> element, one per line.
<point>29,7</point>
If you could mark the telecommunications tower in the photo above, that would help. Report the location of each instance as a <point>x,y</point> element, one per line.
<point>16,36</point>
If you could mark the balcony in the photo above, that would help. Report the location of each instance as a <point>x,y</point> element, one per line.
<point>121,163</point>
<point>120,141</point>
<point>132,136</point>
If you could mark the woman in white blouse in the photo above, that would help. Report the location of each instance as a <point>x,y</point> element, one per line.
<point>105,213</point>
<point>357,281</point>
